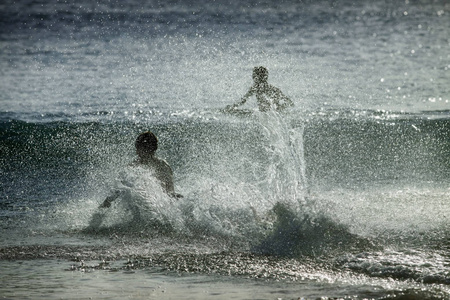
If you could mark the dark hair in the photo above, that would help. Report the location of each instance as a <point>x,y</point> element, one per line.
<point>147,142</point>
<point>261,73</point>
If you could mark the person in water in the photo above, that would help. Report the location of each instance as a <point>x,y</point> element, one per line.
<point>267,95</point>
<point>146,145</point>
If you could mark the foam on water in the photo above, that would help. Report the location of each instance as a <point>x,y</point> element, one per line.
<point>245,191</point>
<point>267,169</point>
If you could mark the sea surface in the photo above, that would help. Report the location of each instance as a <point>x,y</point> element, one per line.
<point>346,195</point>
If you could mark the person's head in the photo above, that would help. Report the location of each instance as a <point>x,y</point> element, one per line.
<point>146,144</point>
<point>260,74</point>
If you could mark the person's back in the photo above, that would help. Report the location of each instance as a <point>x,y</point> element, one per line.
<point>162,172</point>
<point>146,145</point>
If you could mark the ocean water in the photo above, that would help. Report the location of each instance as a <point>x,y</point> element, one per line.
<point>346,195</point>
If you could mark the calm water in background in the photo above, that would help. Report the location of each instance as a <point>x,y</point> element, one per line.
<point>345,195</point>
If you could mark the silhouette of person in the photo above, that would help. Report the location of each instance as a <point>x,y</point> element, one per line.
<point>267,96</point>
<point>146,145</point>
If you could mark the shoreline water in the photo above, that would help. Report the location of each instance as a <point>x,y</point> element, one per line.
<point>63,279</point>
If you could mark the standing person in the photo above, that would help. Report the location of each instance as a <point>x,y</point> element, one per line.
<point>267,96</point>
<point>146,145</point>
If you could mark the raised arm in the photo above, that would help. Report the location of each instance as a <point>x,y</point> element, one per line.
<point>244,99</point>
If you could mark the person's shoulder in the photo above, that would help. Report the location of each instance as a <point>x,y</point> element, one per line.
<point>252,90</point>
<point>160,160</point>
<point>274,88</point>
<point>161,164</point>
<point>134,163</point>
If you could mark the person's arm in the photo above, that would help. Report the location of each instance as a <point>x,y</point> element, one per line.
<point>243,99</point>
<point>281,100</point>
<point>164,174</point>
<point>169,186</point>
